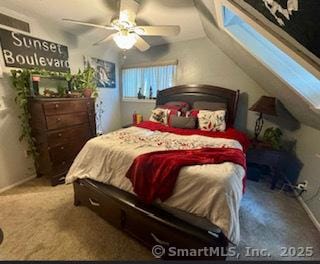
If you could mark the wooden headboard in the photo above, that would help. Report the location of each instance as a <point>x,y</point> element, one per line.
<point>197,92</point>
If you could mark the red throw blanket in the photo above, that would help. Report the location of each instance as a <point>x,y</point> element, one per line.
<point>153,175</point>
<point>230,133</point>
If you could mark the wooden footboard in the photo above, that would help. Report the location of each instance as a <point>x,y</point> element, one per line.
<point>149,224</point>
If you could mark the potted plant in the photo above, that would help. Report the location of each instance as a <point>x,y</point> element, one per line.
<point>273,137</point>
<point>84,82</point>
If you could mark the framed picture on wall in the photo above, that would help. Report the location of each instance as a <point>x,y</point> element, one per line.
<point>105,72</point>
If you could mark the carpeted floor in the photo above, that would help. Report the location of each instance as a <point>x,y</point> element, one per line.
<point>39,222</point>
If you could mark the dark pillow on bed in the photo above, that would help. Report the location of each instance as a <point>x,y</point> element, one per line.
<point>184,106</point>
<point>183,122</point>
<point>212,106</point>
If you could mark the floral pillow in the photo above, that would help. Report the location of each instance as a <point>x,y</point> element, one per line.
<point>212,120</point>
<point>160,115</point>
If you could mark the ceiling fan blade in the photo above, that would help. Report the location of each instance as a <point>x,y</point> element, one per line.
<point>141,44</point>
<point>157,30</point>
<point>106,39</point>
<point>87,24</point>
<point>128,10</point>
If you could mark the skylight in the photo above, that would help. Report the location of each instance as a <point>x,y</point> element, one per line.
<point>305,83</point>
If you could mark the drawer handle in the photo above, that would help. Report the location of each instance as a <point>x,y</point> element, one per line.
<point>62,148</point>
<point>94,203</point>
<point>57,105</point>
<point>60,135</point>
<point>58,119</point>
<point>63,163</point>
<point>159,241</point>
<point>62,178</point>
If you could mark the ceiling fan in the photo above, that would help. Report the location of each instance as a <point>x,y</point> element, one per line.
<point>128,32</point>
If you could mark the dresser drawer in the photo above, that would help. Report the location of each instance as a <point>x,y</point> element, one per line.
<point>62,121</point>
<point>58,108</point>
<point>64,136</point>
<point>61,168</point>
<point>59,171</point>
<point>65,152</point>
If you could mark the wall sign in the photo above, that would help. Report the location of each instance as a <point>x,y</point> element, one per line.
<point>22,51</point>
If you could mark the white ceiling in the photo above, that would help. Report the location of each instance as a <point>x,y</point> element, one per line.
<point>151,12</point>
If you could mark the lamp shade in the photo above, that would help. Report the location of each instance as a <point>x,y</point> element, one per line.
<point>265,105</point>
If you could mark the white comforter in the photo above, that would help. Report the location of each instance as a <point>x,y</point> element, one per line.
<point>212,191</point>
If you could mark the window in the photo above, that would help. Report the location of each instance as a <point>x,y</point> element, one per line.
<point>300,79</point>
<point>156,77</point>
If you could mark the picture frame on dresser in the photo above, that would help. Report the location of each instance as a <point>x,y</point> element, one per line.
<point>60,127</point>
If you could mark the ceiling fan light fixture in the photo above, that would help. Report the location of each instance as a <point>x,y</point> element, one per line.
<point>125,40</point>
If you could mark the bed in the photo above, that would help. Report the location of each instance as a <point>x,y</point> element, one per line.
<point>208,218</point>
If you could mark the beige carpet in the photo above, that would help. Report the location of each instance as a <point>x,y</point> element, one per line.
<point>39,222</point>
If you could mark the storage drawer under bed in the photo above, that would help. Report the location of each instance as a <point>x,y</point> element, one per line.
<point>150,227</point>
<point>97,202</point>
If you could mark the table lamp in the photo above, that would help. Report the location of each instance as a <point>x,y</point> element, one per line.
<point>265,105</point>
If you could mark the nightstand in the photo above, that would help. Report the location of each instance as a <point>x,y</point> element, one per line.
<point>283,165</point>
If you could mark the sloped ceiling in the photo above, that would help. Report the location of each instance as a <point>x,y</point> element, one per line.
<point>270,82</point>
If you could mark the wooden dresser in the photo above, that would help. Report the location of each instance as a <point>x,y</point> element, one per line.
<point>61,127</point>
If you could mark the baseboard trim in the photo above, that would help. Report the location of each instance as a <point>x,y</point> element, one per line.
<point>17,183</point>
<point>309,212</point>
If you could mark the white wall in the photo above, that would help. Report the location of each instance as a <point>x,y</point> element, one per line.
<point>111,119</point>
<point>14,165</point>
<point>308,147</point>
<point>200,62</point>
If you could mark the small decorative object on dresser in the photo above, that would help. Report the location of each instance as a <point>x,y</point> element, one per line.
<point>49,85</point>
<point>265,105</point>
<point>61,127</point>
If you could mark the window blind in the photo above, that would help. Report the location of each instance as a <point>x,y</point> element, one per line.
<point>156,77</point>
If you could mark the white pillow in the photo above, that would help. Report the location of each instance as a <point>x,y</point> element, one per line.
<point>160,115</point>
<point>212,120</point>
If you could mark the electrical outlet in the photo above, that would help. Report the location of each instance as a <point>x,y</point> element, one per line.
<point>318,155</point>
